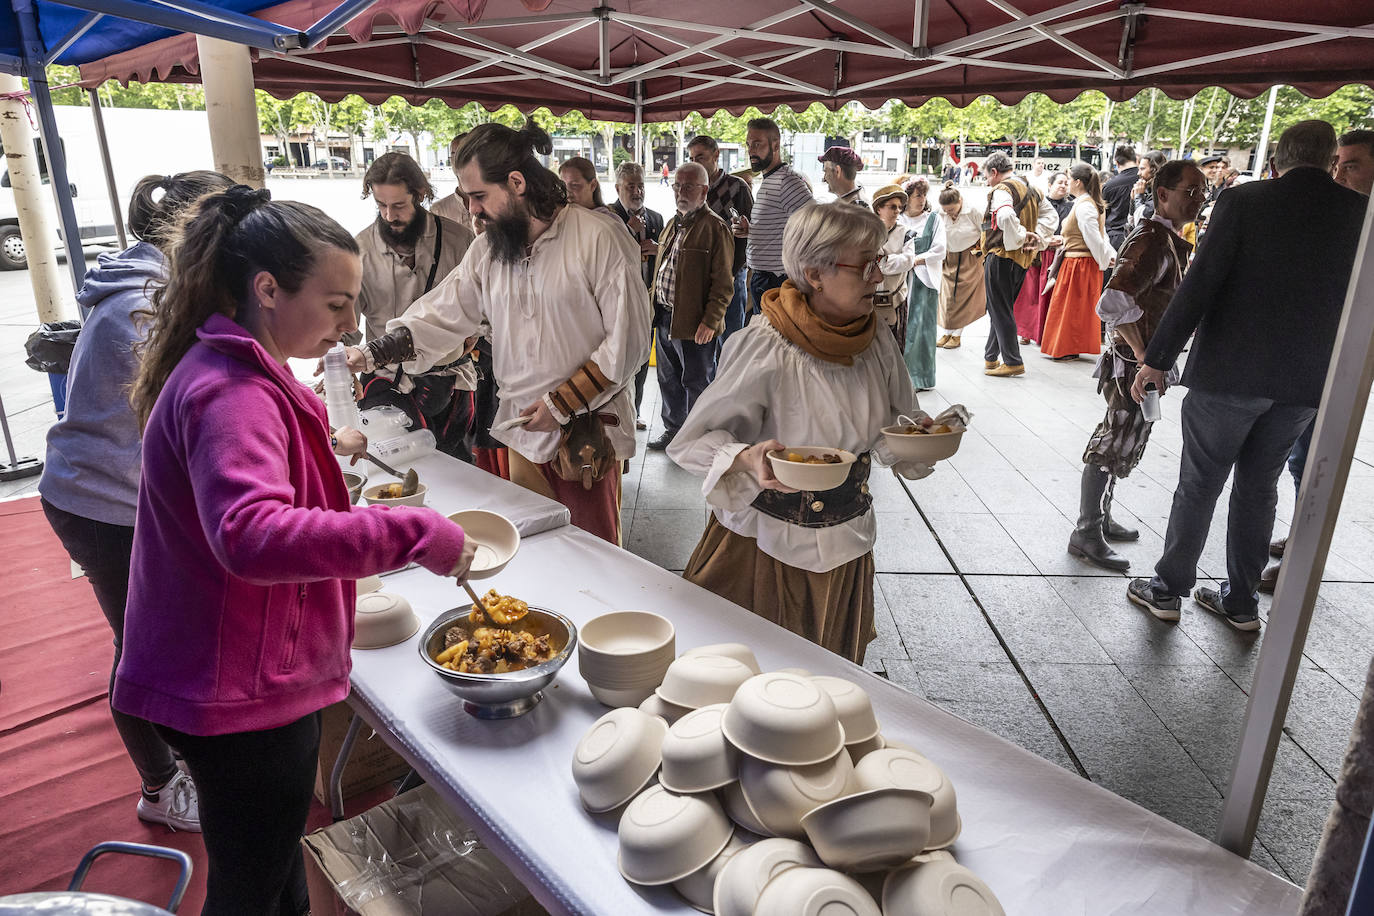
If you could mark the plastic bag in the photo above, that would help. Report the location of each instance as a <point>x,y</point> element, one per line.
<point>50,347</point>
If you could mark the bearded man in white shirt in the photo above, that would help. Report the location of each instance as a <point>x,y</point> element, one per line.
<point>561,289</point>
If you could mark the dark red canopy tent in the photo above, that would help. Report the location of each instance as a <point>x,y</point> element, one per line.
<point>667,58</point>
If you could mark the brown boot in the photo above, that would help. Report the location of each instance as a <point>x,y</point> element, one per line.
<point>1005,371</point>
<point>953,343</point>
<point>1270,577</point>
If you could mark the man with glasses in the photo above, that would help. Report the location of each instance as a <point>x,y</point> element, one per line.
<point>782,192</point>
<point>691,292</point>
<point>1264,296</point>
<point>1149,268</point>
<point>728,197</point>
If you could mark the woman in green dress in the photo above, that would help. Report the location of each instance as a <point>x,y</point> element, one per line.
<point>925,234</point>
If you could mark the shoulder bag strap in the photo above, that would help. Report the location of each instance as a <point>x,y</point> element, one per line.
<point>438,241</point>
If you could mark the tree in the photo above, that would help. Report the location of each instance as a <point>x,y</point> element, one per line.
<point>284,118</point>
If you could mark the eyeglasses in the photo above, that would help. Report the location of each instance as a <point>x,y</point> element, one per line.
<point>870,271</point>
<point>678,186</point>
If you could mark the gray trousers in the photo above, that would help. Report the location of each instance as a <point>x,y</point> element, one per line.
<point>1222,433</point>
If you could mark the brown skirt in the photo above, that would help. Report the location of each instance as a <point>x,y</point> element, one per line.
<point>832,609</point>
<point>963,298</point>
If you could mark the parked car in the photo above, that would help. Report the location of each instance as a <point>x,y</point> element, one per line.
<point>333,164</point>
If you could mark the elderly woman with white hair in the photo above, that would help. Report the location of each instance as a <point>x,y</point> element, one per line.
<point>817,367</point>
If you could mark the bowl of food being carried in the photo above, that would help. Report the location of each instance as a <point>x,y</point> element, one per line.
<point>811,467</point>
<point>927,439</point>
<point>498,656</point>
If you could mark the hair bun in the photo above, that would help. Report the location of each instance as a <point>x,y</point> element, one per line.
<point>240,200</point>
<point>537,138</point>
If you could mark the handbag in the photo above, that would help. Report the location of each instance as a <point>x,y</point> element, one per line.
<point>585,452</point>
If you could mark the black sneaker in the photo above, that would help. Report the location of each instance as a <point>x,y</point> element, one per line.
<point>1164,606</point>
<point>1210,599</point>
<point>661,443</point>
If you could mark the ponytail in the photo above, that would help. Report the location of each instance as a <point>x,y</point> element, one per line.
<point>1085,173</point>
<point>216,250</point>
<point>153,216</point>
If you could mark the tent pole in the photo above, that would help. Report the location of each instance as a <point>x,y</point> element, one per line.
<point>639,123</point>
<point>104,142</point>
<point>1262,150</point>
<point>1309,538</point>
<point>226,72</point>
<point>52,140</point>
<point>35,229</point>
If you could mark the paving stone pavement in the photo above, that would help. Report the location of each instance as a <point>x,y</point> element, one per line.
<point>980,610</point>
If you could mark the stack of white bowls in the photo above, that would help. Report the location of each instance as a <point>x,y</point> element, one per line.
<point>624,656</point>
<point>854,824</point>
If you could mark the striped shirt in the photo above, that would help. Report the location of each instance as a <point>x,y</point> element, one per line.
<point>782,192</point>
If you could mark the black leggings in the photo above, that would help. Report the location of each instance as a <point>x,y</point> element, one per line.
<point>254,790</point>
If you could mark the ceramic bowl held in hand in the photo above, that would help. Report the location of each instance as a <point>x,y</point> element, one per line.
<point>815,892</point>
<point>938,888</point>
<point>926,448</point>
<point>701,680</point>
<point>853,706</point>
<point>780,796</point>
<point>374,498</point>
<point>617,757</point>
<point>803,475</point>
<point>903,768</point>
<point>665,837</point>
<point>870,831</point>
<point>696,756</point>
<point>746,874</point>
<point>783,718</point>
<point>496,536</point>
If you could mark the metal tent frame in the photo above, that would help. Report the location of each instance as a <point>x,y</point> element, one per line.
<point>701,62</point>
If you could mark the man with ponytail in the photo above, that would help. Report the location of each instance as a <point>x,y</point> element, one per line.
<point>246,550</point>
<point>570,323</point>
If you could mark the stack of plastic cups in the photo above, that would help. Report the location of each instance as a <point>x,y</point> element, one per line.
<point>338,390</point>
<point>406,448</point>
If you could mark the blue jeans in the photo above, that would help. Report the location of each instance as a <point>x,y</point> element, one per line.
<point>1222,432</point>
<point>1297,458</point>
<point>685,368</point>
<point>734,313</point>
<point>760,282</point>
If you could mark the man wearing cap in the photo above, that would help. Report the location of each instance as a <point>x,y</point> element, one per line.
<point>840,164</point>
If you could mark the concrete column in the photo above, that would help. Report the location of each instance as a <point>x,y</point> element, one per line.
<point>226,72</point>
<point>35,226</point>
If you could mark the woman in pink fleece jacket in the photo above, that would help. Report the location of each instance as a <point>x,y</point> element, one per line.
<point>241,587</point>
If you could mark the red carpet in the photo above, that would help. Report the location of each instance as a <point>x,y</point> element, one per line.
<point>65,782</point>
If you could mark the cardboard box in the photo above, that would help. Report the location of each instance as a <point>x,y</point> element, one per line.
<point>411,856</point>
<point>372,762</point>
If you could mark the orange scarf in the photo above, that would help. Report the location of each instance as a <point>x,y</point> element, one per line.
<point>790,314</point>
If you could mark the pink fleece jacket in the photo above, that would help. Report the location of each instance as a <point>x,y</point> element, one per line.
<point>241,590</point>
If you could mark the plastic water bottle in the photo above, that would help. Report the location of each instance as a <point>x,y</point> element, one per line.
<point>338,390</point>
<point>384,422</point>
<point>413,446</point>
<point>1149,407</point>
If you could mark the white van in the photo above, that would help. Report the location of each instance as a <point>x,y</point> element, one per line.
<point>142,141</point>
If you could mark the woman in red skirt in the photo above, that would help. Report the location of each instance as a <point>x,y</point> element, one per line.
<point>1072,326</point>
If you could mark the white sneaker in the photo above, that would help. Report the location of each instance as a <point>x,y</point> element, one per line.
<point>174,804</point>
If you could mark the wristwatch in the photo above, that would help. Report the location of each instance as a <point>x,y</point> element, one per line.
<point>333,442</point>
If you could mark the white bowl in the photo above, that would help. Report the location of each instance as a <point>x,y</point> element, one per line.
<point>736,650</point>
<point>737,806</point>
<point>861,749</point>
<point>747,873</point>
<point>783,718</point>
<point>799,672</point>
<point>382,619</point>
<point>854,707</point>
<point>497,540</point>
<point>665,837</point>
<point>780,796</point>
<point>701,680</point>
<point>813,477</point>
<point>415,499</point>
<point>903,768</point>
<point>938,888</point>
<point>696,756</point>
<point>668,712</point>
<point>617,757</point>
<point>815,892</point>
<point>627,656</point>
<point>926,448</point>
<point>698,887</point>
<point>369,584</point>
<point>869,831</point>
<point>618,698</point>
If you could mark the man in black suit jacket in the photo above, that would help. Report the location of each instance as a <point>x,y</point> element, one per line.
<point>1117,194</point>
<point>1264,295</point>
<point>646,226</point>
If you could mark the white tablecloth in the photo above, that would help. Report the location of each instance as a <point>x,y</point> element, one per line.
<point>456,485</point>
<point>1045,840</point>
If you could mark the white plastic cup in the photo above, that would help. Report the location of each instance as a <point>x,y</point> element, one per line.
<point>338,390</point>
<point>412,446</point>
<point>1149,407</point>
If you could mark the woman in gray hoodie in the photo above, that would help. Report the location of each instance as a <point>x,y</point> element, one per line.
<point>90,478</point>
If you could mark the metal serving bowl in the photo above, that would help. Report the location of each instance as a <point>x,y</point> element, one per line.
<point>514,693</point>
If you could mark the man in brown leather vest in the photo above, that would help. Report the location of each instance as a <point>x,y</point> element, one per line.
<point>1016,224</point>
<point>1149,269</point>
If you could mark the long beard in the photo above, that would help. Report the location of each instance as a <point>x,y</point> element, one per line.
<point>509,233</point>
<point>407,237</point>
